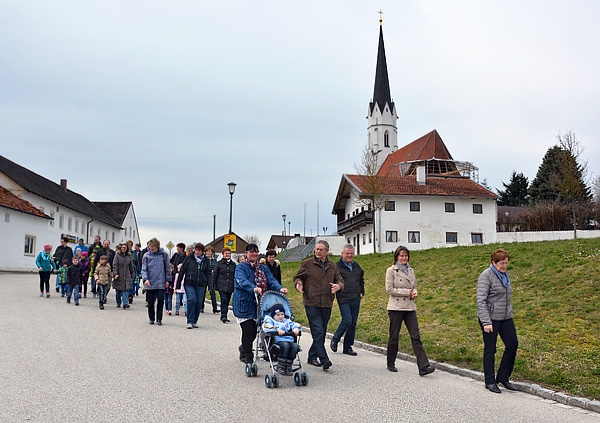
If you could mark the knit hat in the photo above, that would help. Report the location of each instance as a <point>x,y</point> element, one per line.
<point>65,261</point>
<point>277,308</point>
<point>84,254</point>
<point>47,248</point>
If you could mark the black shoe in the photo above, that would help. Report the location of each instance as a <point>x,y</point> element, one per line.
<point>119,306</point>
<point>216,311</point>
<point>288,371</point>
<point>201,311</point>
<point>101,306</point>
<point>314,362</point>
<point>493,388</point>
<point>350,351</point>
<point>151,322</point>
<point>159,323</point>
<point>225,320</point>
<point>57,290</point>
<point>392,369</point>
<point>333,345</point>
<point>426,370</point>
<point>326,364</point>
<point>280,368</point>
<point>68,301</point>
<point>241,354</point>
<point>76,304</point>
<point>507,385</point>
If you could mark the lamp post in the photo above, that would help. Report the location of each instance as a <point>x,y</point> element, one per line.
<point>324,230</point>
<point>231,186</point>
<point>289,228</point>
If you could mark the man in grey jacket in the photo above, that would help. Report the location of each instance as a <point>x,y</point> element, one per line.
<point>156,272</point>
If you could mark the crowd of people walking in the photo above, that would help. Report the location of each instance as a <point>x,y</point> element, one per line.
<point>193,271</point>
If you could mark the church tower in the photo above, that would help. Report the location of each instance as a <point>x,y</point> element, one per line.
<point>381,120</point>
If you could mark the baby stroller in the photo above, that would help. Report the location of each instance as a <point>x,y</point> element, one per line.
<point>265,346</point>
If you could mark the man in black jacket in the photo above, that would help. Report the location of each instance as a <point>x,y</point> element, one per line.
<point>63,252</point>
<point>348,300</point>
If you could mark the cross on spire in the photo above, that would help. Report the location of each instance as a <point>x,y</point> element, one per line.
<point>380,17</point>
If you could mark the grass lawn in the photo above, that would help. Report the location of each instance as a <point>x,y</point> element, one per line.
<point>556,306</point>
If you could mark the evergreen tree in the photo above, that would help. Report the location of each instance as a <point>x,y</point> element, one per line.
<point>515,193</point>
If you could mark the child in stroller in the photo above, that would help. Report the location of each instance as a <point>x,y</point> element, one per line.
<point>276,323</point>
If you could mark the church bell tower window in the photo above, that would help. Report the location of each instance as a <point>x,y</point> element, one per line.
<point>386,139</point>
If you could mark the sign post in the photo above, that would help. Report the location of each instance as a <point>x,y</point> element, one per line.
<point>170,247</point>
<point>230,241</point>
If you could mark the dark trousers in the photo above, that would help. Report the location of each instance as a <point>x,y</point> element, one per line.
<point>225,299</point>
<point>508,334</point>
<point>248,337</point>
<point>412,325</point>
<point>349,313</point>
<point>101,290</point>
<point>318,318</point>
<point>45,281</point>
<point>287,352</point>
<point>157,295</point>
<point>195,300</point>
<point>83,287</point>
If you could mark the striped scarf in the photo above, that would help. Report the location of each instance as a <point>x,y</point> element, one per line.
<point>259,276</point>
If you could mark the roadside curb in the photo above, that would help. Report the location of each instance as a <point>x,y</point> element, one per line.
<point>532,389</point>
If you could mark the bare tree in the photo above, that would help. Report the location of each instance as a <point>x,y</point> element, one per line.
<point>572,170</point>
<point>252,239</point>
<point>596,188</point>
<point>373,186</point>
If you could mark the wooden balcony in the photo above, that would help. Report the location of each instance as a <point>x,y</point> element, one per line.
<point>362,219</point>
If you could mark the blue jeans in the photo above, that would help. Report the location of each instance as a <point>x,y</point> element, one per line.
<point>287,352</point>
<point>178,298</point>
<point>168,301</point>
<point>349,313</point>
<point>195,301</point>
<point>72,289</point>
<point>101,291</point>
<point>63,288</point>
<point>122,295</point>
<point>318,318</point>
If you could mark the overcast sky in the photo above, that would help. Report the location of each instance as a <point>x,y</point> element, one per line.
<point>164,102</point>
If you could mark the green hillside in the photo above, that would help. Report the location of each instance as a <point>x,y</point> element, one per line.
<point>556,304</point>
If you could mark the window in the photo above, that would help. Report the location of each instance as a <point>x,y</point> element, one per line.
<point>91,230</point>
<point>69,223</point>
<point>134,234</point>
<point>348,218</point>
<point>370,239</point>
<point>451,237</point>
<point>76,225</point>
<point>390,206</point>
<point>99,230</point>
<point>105,234</point>
<point>415,206</point>
<point>52,216</point>
<point>113,238</point>
<point>354,241</point>
<point>7,217</point>
<point>449,207</point>
<point>386,139</point>
<point>61,221</point>
<point>82,228</point>
<point>29,245</point>
<point>364,239</point>
<point>348,240</point>
<point>125,231</point>
<point>477,208</point>
<point>391,236</point>
<point>476,238</point>
<point>414,237</point>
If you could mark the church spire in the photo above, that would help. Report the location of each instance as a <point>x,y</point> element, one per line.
<point>381,92</point>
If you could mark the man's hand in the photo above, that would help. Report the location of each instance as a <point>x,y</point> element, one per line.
<point>298,286</point>
<point>147,282</point>
<point>334,288</point>
<point>116,277</point>
<point>259,290</point>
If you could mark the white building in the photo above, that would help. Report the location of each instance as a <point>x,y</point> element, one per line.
<point>428,199</point>
<point>64,213</point>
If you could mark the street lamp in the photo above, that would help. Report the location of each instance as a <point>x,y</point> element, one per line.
<point>289,228</point>
<point>324,230</point>
<point>231,186</point>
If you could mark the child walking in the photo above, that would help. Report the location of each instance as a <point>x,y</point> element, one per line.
<point>103,275</point>
<point>62,277</point>
<point>85,265</point>
<point>73,281</point>
<point>277,323</point>
<point>180,297</point>
<point>45,265</point>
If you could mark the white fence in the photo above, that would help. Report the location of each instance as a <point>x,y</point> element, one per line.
<point>543,236</point>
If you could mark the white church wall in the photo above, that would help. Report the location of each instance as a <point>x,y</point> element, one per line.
<point>544,236</point>
<point>15,226</point>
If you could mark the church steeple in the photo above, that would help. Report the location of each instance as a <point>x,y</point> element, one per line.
<point>382,130</point>
<point>381,92</point>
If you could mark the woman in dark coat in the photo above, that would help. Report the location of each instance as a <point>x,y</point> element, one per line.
<point>124,273</point>
<point>194,274</point>
<point>223,277</point>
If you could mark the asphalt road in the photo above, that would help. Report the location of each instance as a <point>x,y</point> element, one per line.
<point>65,363</point>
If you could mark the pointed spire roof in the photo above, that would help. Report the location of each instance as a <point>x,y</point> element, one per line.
<point>381,92</point>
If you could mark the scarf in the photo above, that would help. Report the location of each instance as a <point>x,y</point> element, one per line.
<point>259,277</point>
<point>404,267</point>
<point>199,260</point>
<point>502,276</point>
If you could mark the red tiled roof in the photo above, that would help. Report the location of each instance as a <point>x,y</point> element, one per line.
<point>442,186</point>
<point>11,201</point>
<point>429,146</point>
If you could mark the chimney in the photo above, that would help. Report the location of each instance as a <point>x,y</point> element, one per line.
<point>63,184</point>
<point>421,175</point>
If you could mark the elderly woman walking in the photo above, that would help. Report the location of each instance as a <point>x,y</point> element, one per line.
<point>124,273</point>
<point>156,273</point>
<point>193,275</point>
<point>494,311</point>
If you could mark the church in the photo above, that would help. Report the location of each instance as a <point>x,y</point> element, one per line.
<point>418,196</point>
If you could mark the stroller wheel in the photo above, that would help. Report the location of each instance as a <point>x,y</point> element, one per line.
<point>297,379</point>
<point>304,378</point>
<point>254,370</point>
<point>249,369</point>
<point>275,380</point>
<point>268,380</point>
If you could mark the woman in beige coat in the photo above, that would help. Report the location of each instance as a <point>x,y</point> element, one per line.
<point>401,285</point>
